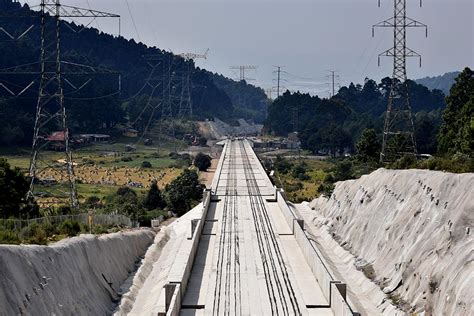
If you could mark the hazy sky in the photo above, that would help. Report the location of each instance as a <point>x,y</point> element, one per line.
<point>306,37</point>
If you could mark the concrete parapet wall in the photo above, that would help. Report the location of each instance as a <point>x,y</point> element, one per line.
<point>215,180</point>
<point>314,261</point>
<point>175,301</point>
<point>288,214</point>
<point>333,295</point>
<point>339,304</point>
<point>181,270</point>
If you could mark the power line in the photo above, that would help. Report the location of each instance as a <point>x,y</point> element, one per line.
<point>133,20</point>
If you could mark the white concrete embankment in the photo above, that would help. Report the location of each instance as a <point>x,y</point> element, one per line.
<point>76,276</point>
<point>414,229</point>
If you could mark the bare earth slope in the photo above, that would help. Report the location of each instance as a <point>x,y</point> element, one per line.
<point>414,228</point>
<point>77,276</point>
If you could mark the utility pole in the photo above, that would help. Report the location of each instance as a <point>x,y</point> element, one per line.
<point>398,134</point>
<point>333,78</point>
<point>242,69</point>
<point>51,108</point>
<point>278,72</point>
<point>278,80</point>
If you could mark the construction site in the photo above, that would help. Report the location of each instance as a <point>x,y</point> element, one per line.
<point>133,181</point>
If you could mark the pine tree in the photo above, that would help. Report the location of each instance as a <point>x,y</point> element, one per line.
<point>153,199</point>
<point>457,131</point>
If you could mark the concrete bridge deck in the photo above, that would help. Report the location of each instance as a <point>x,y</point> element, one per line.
<point>248,253</point>
<point>248,261</point>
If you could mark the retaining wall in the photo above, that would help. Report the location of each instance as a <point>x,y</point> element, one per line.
<point>76,276</point>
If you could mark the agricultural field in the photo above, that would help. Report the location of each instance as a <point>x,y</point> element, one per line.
<point>101,168</point>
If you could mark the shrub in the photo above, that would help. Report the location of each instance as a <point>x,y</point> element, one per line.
<point>99,229</point>
<point>48,228</point>
<point>282,165</point>
<point>63,210</point>
<point>126,159</point>
<point>299,172</point>
<point>202,141</point>
<point>9,237</point>
<point>33,234</point>
<point>145,219</point>
<point>343,171</point>
<point>405,162</point>
<point>326,189</point>
<point>70,228</point>
<point>202,161</point>
<point>92,202</point>
<point>146,164</point>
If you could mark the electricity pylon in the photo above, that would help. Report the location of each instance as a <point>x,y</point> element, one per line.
<point>185,108</point>
<point>51,109</point>
<point>242,69</point>
<point>398,134</point>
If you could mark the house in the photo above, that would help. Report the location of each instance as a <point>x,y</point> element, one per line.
<point>56,140</point>
<point>130,132</point>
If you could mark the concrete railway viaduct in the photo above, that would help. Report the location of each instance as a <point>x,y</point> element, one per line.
<point>248,253</point>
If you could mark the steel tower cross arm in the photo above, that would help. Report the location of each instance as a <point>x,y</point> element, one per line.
<point>392,53</point>
<point>392,22</point>
<point>66,11</point>
<point>421,3</point>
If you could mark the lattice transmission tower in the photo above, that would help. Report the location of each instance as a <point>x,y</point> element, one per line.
<point>50,127</point>
<point>398,134</point>
<point>242,70</point>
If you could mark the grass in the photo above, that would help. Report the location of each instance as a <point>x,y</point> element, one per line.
<point>86,190</point>
<point>298,190</point>
<point>159,163</point>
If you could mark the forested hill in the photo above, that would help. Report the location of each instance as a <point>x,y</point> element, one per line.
<point>335,124</point>
<point>443,82</point>
<point>99,104</point>
<point>249,102</point>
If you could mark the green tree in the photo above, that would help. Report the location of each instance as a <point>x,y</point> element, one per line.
<point>183,192</point>
<point>13,189</point>
<point>154,199</point>
<point>202,161</point>
<point>126,202</point>
<point>368,146</point>
<point>457,131</point>
<point>343,171</point>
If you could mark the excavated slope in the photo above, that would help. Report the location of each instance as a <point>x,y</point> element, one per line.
<point>77,276</point>
<point>411,231</point>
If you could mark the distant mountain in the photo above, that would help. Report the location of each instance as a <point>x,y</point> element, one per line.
<point>443,82</point>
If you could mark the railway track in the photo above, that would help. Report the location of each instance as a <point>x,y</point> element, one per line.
<point>228,284</point>
<point>283,300</point>
<point>227,292</point>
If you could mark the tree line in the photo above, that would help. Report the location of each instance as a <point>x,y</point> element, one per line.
<point>334,125</point>
<point>151,78</point>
